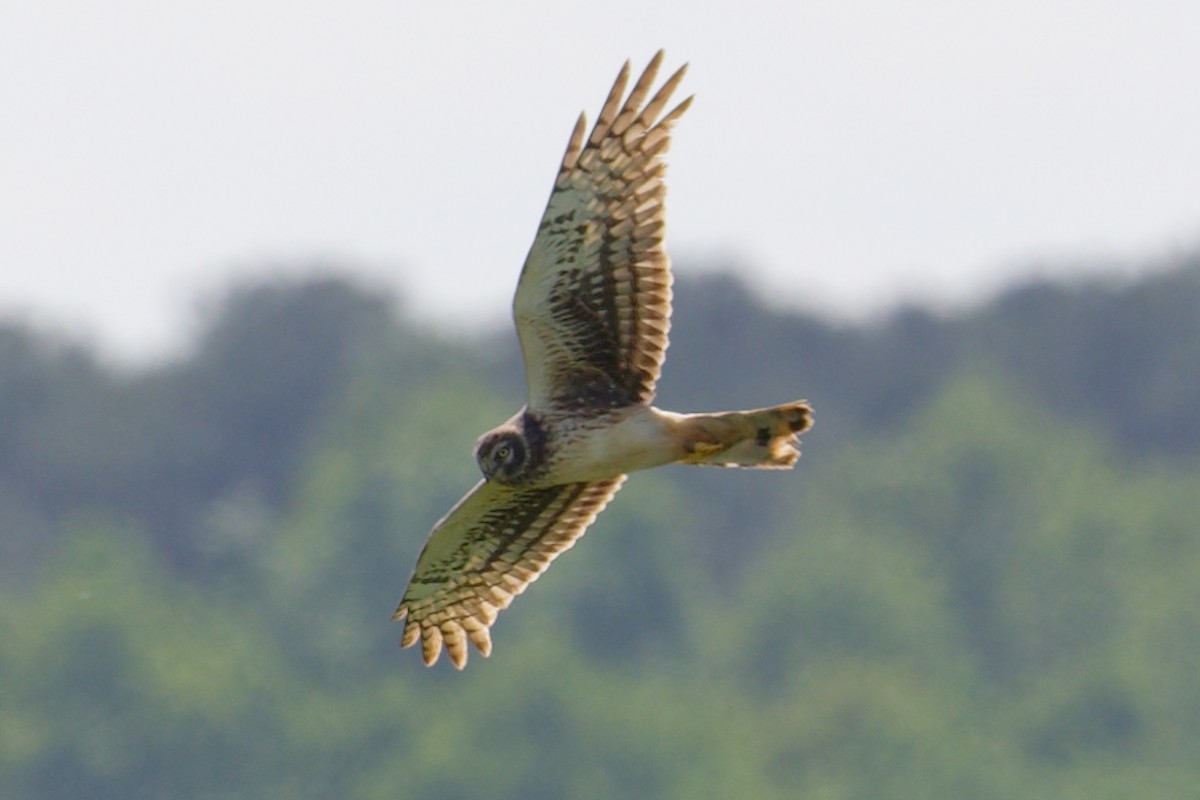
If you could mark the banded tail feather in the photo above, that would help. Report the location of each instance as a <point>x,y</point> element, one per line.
<point>763,438</point>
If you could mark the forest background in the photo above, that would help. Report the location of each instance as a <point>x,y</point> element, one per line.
<point>981,580</point>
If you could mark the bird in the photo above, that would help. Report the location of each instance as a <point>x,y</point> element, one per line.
<point>592,312</point>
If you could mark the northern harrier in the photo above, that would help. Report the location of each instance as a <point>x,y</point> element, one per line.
<point>592,310</point>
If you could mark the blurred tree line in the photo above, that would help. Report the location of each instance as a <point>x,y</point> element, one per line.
<point>980,582</point>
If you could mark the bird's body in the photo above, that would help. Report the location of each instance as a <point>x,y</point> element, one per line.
<point>566,448</point>
<point>640,436</point>
<point>592,311</point>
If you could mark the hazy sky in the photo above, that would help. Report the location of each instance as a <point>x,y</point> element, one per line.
<point>846,154</point>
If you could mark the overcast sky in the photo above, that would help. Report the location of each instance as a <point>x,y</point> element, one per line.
<point>843,154</point>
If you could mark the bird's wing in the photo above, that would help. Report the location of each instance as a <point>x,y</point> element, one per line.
<point>593,303</point>
<point>495,542</point>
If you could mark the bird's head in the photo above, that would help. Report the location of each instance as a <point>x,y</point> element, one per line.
<point>502,455</point>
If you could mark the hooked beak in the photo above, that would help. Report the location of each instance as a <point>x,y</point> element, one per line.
<point>484,468</point>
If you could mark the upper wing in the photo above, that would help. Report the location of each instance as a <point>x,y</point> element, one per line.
<point>495,542</point>
<point>593,304</point>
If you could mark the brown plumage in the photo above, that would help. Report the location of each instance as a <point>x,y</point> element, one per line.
<point>592,311</point>
<point>593,304</point>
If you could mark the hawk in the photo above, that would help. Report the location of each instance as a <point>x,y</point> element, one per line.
<point>592,310</point>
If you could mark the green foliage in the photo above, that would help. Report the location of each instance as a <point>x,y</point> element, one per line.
<point>963,592</point>
<point>114,673</point>
<point>994,562</point>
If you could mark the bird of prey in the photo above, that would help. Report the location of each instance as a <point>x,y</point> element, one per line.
<point>592,310</point>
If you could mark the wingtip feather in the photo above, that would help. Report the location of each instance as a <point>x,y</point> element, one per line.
<point>431,645</point>
<point>612,105</point>
<point>412,632</point>
<point>455,641</point>
<point>482,639</point>
<point>574,144</point>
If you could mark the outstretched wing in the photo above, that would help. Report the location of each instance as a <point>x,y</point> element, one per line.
<point>593,304</point>
<point>494,543</point>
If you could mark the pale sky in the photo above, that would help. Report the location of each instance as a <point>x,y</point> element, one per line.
<point>844,155</point>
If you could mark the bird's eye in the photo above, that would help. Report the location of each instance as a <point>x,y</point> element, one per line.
<point>503,452</point>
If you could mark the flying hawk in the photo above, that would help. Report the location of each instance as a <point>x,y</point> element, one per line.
<point>592,310</point>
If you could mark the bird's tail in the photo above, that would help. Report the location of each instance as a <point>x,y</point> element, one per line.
<point>765,438</point>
